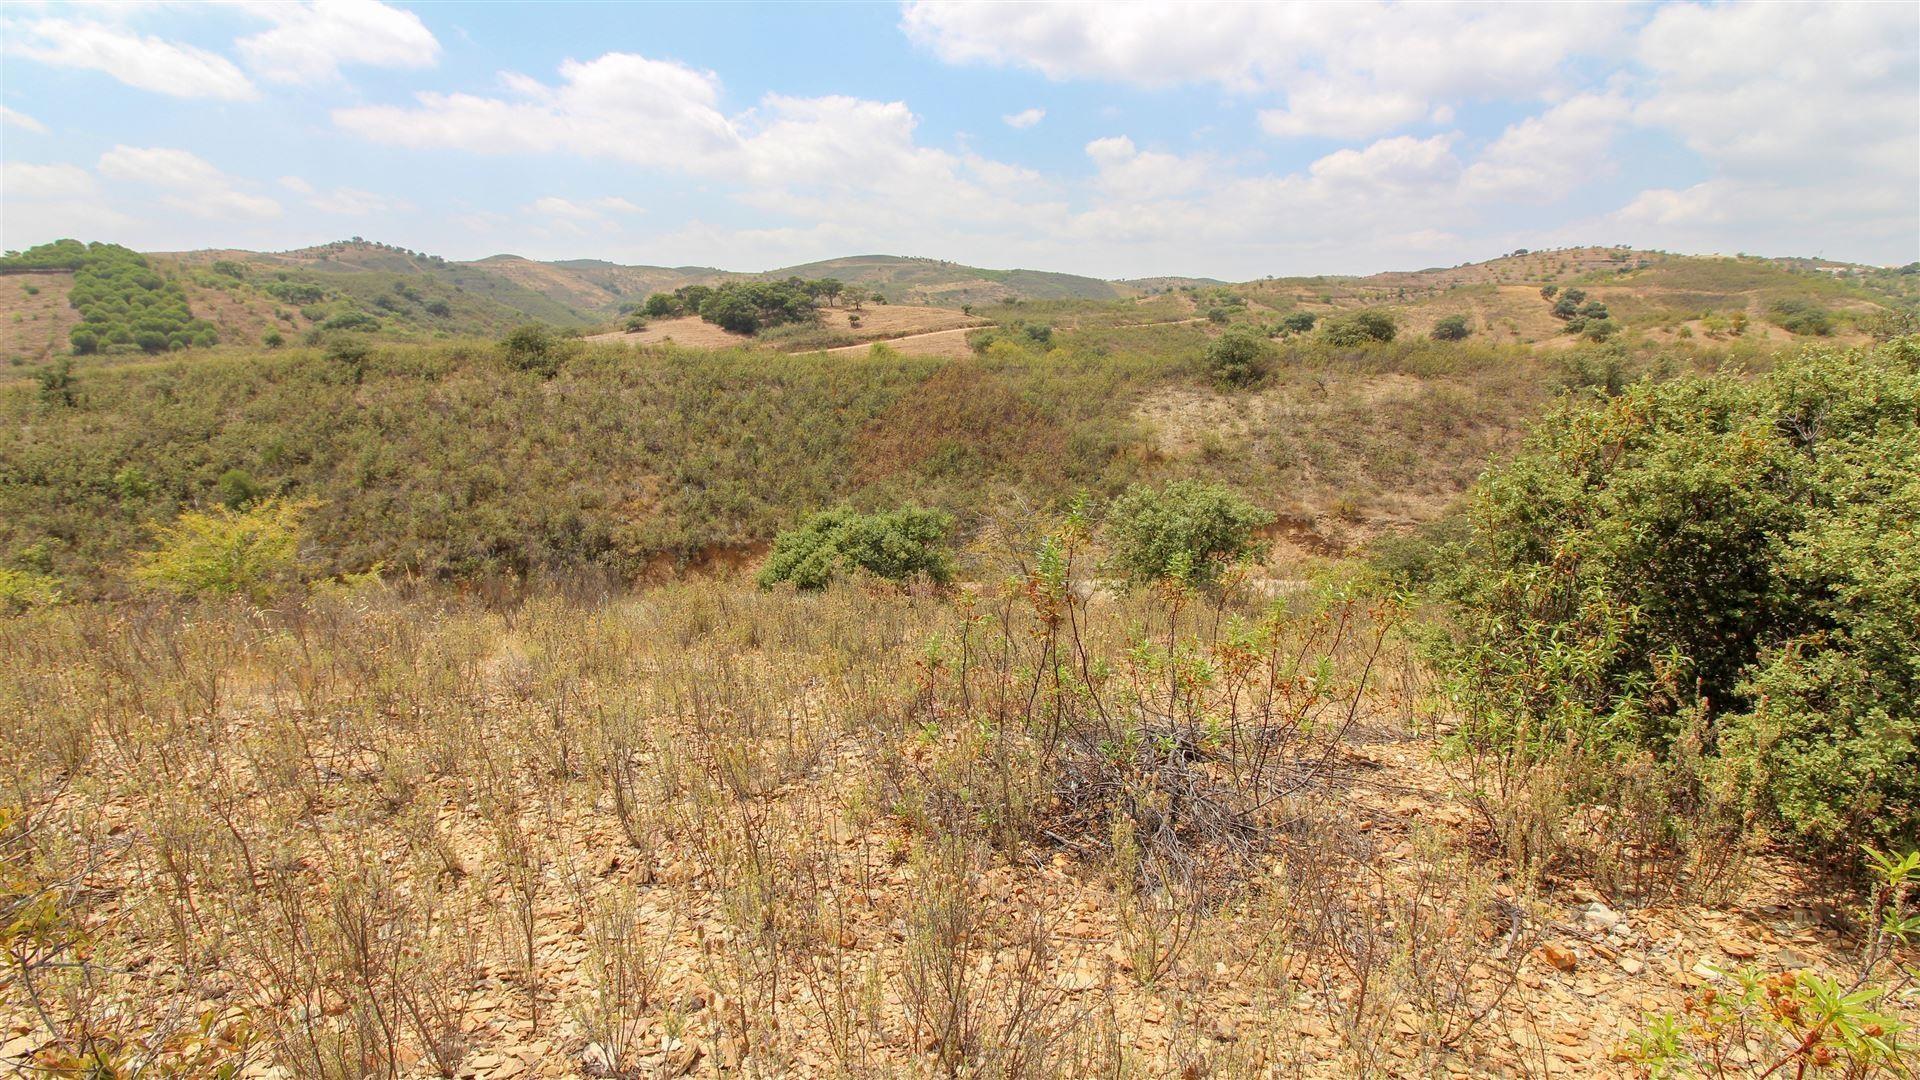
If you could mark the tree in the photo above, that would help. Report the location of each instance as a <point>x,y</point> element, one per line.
<point>1547,291</point>
<point>1299,322</point>
<point>1187,531</point>
<point>660,306</point>
<point>1451,328</point>
<point>732,311</point>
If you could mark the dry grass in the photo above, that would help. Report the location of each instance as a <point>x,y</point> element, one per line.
<point>34,325</point>
<point>1008,832</point>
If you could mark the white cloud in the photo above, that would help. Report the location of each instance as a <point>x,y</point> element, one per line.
<point>554,206</point>
<point>1396,63</point>
<point>1323,107</point>
<point>21,120</point>
<point>162,167</point>
<point>296,185</point>
<point>1540,158</point>
<point>1756,87</point>
<point>1025,118</point>
<point>196,186</point>
<point>617,205</point>
<point>835,159</point>
<point>621,106</point>
<point>312,41</point>
<point>19,180</point>
<point>353,202</point>
<point>1127,172</point>
<point>1399,164</point>
<point>148,63</point>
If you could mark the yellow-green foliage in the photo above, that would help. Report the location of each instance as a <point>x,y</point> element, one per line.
<point>253,552</point>
<point>24,589</point>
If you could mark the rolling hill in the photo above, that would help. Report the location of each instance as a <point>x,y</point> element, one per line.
<point>258,297</point>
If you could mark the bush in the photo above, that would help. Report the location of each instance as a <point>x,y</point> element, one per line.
<point>1359,328</point>
<point>1730,562</point>
<point>237,488</point>
<point>1238,357</point>
<point>1801,317</point>
<point>1187,531</point>
<point>23,590</point>
<point>895,545</point>
<point>1299,322</point>
<point>221,552</point>
<point>351,320</point>
<point>533,347</point>
<point>1451,328</point>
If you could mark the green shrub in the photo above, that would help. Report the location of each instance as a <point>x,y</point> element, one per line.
<point>236,488</point>
<point>57,384</point>
<point>1187,531</point>
<point>1451,328</point>
<point>221,552</point>
<point>1238,357</point>
<point>895,545</point>
<point>1801,317</point>
<point>534,347</point>
<point>1738,557</point>
<point>1359,328</point>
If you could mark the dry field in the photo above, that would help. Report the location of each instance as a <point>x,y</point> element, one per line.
<point>34,325</point>
<point>880,322</point>
<point>704,830</point>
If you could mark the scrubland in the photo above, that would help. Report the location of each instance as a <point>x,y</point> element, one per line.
<point>365,719</point>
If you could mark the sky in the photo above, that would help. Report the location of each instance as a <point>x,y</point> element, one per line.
<point>1226,140</point>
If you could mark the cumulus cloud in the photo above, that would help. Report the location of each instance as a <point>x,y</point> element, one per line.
<point>148,63</point>
<point>193,185</point>
<point>1025,118</point>
<point>832,159</point>
<point>312,41</point>
<point>1541,157</point>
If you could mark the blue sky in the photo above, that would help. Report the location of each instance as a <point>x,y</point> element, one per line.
<point>1230,140</point>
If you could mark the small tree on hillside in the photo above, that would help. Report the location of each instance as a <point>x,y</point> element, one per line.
<point>1451,328</point>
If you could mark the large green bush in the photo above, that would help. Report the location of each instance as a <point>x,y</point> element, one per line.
<point>1359,328</point>
<point>1734,561</point>
<point>895,545</point>
<point>1188,530</point>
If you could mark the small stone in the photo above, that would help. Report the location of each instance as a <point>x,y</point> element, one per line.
<point>1629,965</point>
<point>1599,917</point>
<point>1561,957</point>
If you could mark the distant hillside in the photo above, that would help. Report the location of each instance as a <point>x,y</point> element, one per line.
<point>947,284</point>
<point>251,298</point>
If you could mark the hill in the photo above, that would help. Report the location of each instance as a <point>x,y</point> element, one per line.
<point>249,297</point>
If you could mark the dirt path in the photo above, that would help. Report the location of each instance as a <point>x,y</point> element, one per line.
<point>932,343</point>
